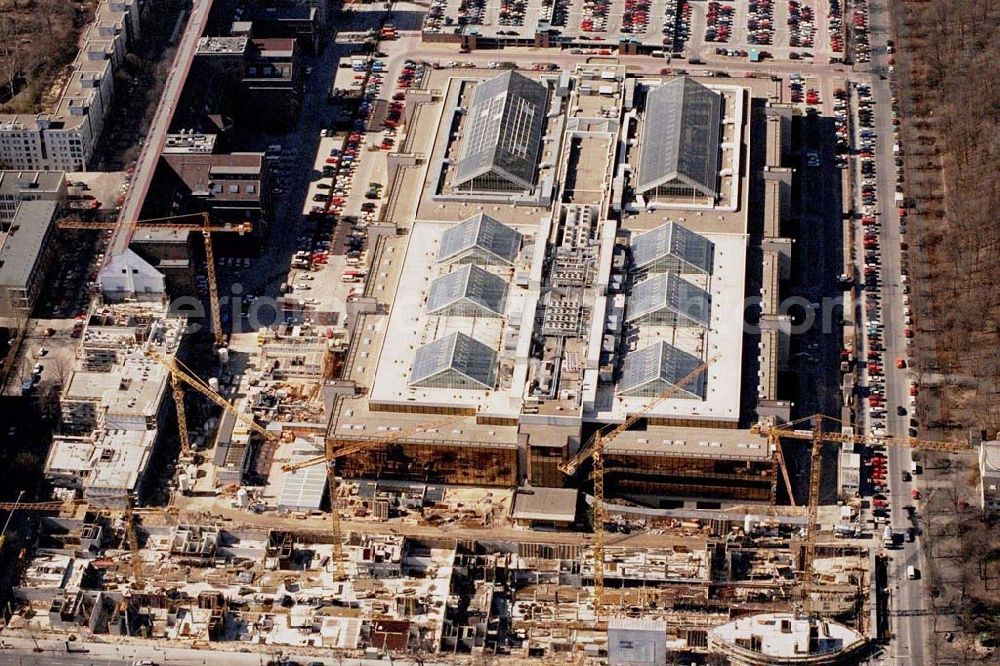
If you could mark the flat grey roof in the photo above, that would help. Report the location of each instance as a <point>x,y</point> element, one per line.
<point>23,243</point>
<point>681,137</point>
<point>555,504</point>
<point>13,182</point>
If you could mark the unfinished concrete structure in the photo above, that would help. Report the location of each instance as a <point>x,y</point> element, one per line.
<point>526,328</point>
<point>114,403</point>
<point>784,638</point>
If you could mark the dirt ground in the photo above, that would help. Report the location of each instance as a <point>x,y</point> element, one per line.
<point>947,63</point>
<point>33,71</point>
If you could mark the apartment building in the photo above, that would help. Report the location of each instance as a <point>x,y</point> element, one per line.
<point>63,138</point>
<point>25,253</point>
<point>18,186</point>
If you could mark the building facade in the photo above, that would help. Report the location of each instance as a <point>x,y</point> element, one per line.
<point>63,138</point>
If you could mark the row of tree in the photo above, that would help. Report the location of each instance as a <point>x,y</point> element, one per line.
<point>949,82</point>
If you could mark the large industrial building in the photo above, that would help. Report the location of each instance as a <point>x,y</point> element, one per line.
<point>512,327</point>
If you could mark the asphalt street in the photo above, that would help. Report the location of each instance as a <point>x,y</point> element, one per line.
<point>911,632</point>
<point>23,652</point>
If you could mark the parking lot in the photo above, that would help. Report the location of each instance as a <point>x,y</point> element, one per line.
<point>45,359</point>
<point>772,29</point>
<point>331,181</point>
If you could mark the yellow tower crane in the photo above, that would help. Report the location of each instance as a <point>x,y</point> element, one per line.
<point>181,375</point>
<point>329,458</point>
<point>207,227</point>
<point>128,515</point>
<point>595,449</point>
<point>132,536</point>
<point>818,436</point>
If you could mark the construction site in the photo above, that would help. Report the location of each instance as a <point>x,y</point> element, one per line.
<point>230,587</point>
<point>539,428</point>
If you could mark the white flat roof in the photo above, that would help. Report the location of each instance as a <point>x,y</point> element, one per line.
<point>114,460</point>
<point>724,339</point>
<point>410,327</point>
<point>783,635</point>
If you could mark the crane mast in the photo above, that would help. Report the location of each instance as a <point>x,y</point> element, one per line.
<point>595,451</point>
<point>817,437</point>
<point>207,227</point>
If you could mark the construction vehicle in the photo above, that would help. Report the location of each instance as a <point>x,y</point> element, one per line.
<point>180,375</point>
<point>594,450</point>
<point>818,437</point>
<point>207,228</point>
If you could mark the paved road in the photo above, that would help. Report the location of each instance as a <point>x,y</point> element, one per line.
<point>150,155</point>
<point>21,651</point>
<point>911,632</point>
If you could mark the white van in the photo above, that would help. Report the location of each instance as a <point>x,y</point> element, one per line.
<point>911,572</point>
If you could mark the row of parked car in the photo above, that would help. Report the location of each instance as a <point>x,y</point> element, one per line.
<point>871,223</point>
<point>434,19</point>
<point>841,126</point>
<point>874,358</point>
<point>760,22</point>
<point>801,25</point>
<point>635,17</point>
<point>719,22</point>
<point>862,45</point>
<point>799,93</point>
<point>835,26</point>
<point>595,15</point>
<point>512,12</point>
<point>676,25</point>
<point>554,12</point>
<point>472,12</point>
<point>732,53</point>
